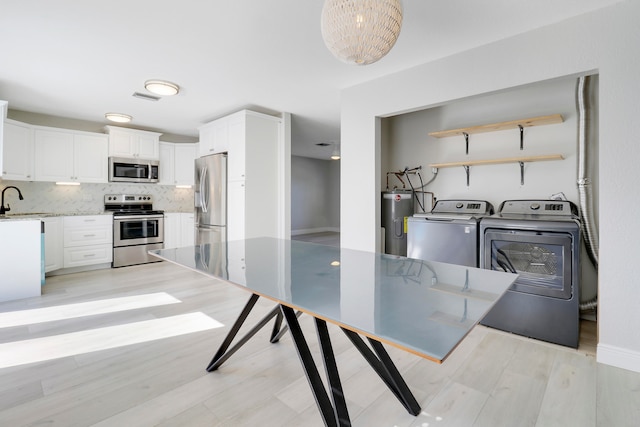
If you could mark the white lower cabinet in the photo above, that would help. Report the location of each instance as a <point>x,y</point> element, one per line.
<point>88,240</point>
<point>171,230</point>
<point>178,230</point>
<point>53,243</point>
<point>187,229</point>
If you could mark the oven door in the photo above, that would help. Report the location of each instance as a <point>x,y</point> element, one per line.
<point>543,260</point>
<point>129,230</point>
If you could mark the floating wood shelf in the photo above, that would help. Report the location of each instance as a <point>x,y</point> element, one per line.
<point>525,159</point>
<point>513,124</point>
<point>521,160</point>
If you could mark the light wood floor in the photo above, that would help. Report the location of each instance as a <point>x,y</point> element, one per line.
<point>492,379</point>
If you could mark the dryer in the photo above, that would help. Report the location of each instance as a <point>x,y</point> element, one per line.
<point>540,241</point>
<point>449,233</point>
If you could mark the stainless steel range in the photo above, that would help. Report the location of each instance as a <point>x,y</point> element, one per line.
<point>137,228</point>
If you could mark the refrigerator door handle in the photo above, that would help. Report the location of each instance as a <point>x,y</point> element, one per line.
<point>203,199</point>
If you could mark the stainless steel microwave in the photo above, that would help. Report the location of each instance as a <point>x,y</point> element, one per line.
<point>123,169</point>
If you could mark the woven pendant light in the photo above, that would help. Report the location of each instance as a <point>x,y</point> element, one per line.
<point>361,31</point>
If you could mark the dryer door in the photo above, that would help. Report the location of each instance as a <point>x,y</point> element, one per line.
<point>544,260</point>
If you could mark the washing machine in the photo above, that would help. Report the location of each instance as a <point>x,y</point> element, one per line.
<point>449,233</point>
<point>540,241</point>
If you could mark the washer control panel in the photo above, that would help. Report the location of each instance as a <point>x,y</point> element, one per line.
<point>481,207</point>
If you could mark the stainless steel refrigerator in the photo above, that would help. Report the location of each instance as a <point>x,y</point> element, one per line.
<point>211,199</point>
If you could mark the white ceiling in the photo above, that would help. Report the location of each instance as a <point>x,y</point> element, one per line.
<point>81,59</point>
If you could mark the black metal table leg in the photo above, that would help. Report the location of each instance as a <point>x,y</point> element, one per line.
<point>332,406</point>
<point>333,377</point>
<point>275,333</point>
<point>279,331</point>
<point>386,369</point>
<point>325,406</point>
<point>224,352</point>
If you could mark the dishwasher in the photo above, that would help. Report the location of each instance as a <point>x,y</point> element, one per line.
<point>449,233</point>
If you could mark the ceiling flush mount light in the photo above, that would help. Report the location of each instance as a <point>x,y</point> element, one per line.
<point>118,118</point>
<point>161,87</point>
<point>361,31</point>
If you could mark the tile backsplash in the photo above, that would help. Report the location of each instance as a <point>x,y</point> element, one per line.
<point>47,197</point>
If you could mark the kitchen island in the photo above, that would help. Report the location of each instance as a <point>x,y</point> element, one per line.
<point>425,308</point>
<point>20,258</point>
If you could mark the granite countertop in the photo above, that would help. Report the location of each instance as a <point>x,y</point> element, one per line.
<point>36,215</point>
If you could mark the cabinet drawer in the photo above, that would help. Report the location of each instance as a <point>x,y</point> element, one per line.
<point>88,230</point>
<point>88,220</point>
<point>87,236</point>
<point>87,255</point>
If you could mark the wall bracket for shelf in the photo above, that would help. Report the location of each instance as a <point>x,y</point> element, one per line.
<point>466,140</point>
<point>466,169</point>
<point>521,173</point>
<point>521,137</point>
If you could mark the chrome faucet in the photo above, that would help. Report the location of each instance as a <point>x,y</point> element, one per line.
<point>4,210</point>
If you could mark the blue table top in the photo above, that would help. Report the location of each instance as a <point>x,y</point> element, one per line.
<point>423,307</point>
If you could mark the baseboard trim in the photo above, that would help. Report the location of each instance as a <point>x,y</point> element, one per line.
<point>619,357</point>
<point>315,230</point>
<point>71,270</point>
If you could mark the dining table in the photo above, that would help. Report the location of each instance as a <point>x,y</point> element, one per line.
<point>423,307</point>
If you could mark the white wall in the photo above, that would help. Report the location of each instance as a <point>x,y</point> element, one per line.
<point>606,42</point>
<point>410,145</point>
<point>315,195</point>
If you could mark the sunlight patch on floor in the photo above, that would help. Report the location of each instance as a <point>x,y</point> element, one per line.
<point>81,309</point>
<point>64,345</point>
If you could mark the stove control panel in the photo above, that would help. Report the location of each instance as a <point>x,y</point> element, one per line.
<point>124,199</point>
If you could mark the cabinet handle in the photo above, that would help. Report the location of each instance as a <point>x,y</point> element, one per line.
<point>89,220</point>
<point>89,255</point>
<point>89,235</point>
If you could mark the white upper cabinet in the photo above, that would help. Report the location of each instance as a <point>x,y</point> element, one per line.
<point>167,162</point>
<point>3,115</point>
<point>133,143</point>
<point>90,158</point>
<point>18,161</point>
<point>177,163</point>
<point>214,137</point>
<point>70,156</point>
<point>237,153</point>
<point>54,156</point>
<point>185,156</point>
